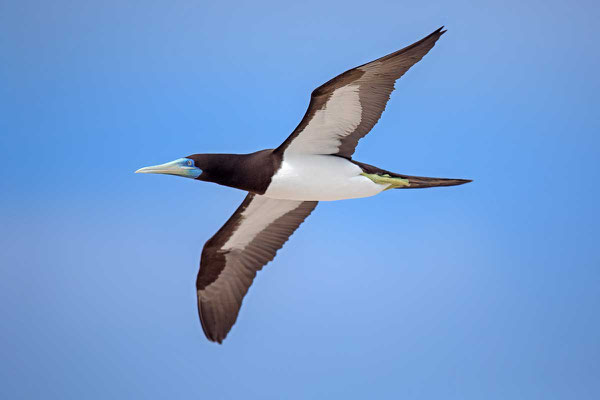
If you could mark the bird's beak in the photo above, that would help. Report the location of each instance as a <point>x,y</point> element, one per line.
<point>180,167</point>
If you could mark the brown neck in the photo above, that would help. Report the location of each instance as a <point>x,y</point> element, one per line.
<point>251,172</point>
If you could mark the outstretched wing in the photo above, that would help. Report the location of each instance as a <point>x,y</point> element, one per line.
<point>346,108</point>
<point>230,259</point>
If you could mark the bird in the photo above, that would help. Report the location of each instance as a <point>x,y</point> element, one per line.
<point>285,184</point>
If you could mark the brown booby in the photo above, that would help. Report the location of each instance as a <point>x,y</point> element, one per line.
<point>284,184</point>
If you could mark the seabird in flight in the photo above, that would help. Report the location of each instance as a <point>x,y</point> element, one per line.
<point>285,184</point>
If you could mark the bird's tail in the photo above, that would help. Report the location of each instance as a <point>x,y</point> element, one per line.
<point>418,182</point>
<point>399,181</point>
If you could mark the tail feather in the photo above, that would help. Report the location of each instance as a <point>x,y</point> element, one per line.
<point>414,182</point>
<point>418,182</point>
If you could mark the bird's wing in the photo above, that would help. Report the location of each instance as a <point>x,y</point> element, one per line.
<point>231,258</point>
<point>346,108</point>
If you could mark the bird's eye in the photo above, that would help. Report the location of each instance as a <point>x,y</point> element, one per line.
<point>189,163</point>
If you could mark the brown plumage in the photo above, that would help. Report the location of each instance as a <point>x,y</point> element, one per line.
<point>226,275</point>
<point>375,81</point>
<point>340,113</point>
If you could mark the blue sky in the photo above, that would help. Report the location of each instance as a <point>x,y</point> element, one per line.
<point>488,290</point>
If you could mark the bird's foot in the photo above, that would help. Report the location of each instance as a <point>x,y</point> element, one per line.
<point>386,179</point>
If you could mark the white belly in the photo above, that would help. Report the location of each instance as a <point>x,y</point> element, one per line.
<point>320,177</point>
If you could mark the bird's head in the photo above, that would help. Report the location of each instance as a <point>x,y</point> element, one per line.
<point>185,167</point>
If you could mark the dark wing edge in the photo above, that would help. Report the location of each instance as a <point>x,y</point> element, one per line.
<point>226,273</point>
<point>376,80</point>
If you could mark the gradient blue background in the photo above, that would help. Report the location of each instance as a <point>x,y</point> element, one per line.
<point>485,291</point>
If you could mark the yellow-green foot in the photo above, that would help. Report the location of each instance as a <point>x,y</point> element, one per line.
<point>385,179</point>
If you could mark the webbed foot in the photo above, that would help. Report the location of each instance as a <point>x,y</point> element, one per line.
<point>386,179</point>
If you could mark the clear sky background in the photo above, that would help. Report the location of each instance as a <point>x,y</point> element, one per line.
<point>489,290</point>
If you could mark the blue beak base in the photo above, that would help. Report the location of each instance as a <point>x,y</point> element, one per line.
<point>180,167</point>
